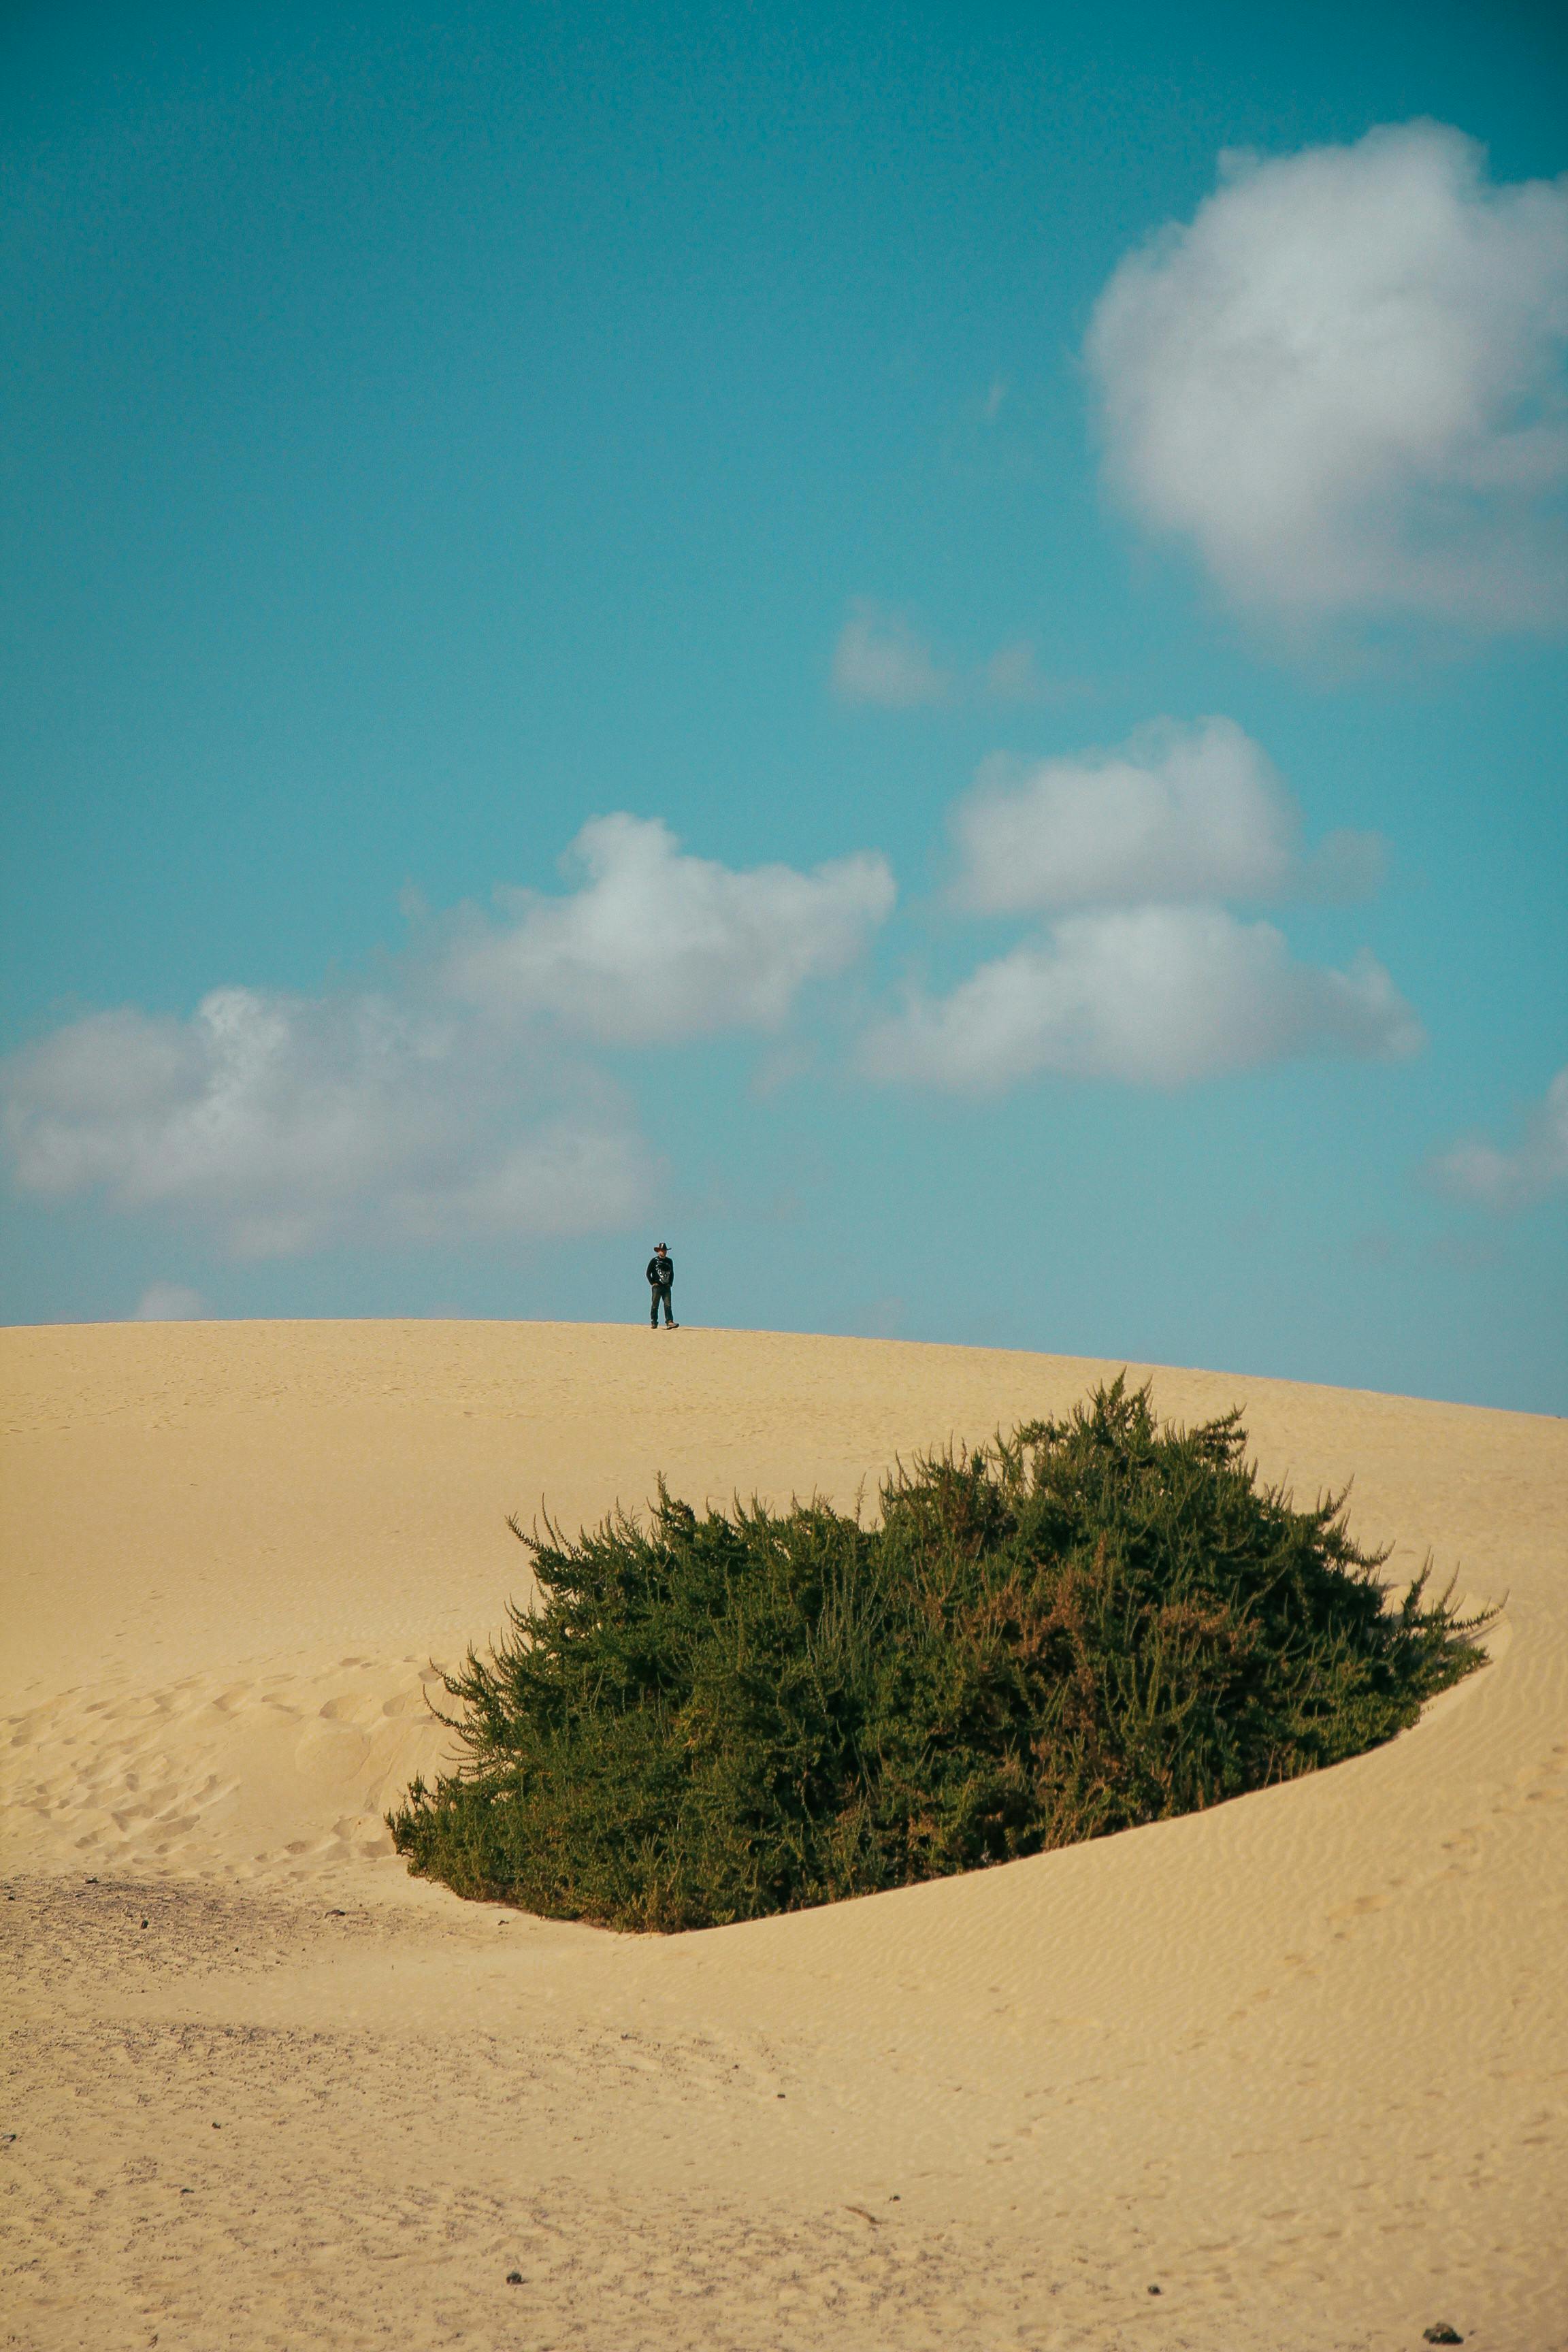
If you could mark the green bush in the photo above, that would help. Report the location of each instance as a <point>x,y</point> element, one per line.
<point>1089,1624</point>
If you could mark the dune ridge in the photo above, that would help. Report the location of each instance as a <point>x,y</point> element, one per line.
<point>1300,2061</point>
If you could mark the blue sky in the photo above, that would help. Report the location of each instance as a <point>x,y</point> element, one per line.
<point>1034,541</point>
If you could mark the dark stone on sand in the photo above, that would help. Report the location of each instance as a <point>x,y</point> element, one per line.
<point>1441,2334</point>
<point>1154,2290</point>
<point>514,2278</point>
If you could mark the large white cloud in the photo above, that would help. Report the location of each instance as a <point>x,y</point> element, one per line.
<point>1149,995</point>
<point>1476,1170</point>
<point>460,1103</point>
<point>288,1123</point>
<point>1179,812</point>
<point>658,944</point>
<point>1344,380</point>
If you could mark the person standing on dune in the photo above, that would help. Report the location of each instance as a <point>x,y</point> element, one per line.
<point>661,1276</point>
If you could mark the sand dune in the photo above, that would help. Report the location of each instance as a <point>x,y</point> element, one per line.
<point>1301,2062</point>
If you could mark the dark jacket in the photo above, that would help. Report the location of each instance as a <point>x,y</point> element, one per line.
<point>661,1271</point>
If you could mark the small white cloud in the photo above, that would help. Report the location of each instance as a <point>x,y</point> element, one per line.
<point>168,1302</point>
<point>1344,380</point>
<point>1476,1170</point>
<point>1343,865</point>
<point>1178,813</point>
<point>1012,674</point>
<point>879,660</point>
<point>658,945</point>
<point>1151,995</point>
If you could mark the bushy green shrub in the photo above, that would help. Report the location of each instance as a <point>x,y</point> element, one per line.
<point>1092,1623</point>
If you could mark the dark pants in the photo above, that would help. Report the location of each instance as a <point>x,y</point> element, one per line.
<point>660,1290</point>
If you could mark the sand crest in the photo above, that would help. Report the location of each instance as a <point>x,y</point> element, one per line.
<point>1301,2062</point>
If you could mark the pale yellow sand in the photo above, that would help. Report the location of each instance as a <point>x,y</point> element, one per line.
<point>1301,2062</point>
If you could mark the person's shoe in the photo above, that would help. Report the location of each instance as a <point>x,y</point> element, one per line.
<point>672,1326</point>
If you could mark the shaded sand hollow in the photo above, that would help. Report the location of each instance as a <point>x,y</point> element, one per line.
<point>1301,2062</point>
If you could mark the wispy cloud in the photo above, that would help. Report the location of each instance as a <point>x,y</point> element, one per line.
<point>1012,674</point>
<point>168,1302</point>
<point>879,659</point>
<point>882,660</point>
<point>1149,995</point>
<point>1475,1169</point>
<point>1180,813</point>
<point>1343,381</point>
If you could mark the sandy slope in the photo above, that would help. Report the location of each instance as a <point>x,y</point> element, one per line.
<point>1301,2062</point>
